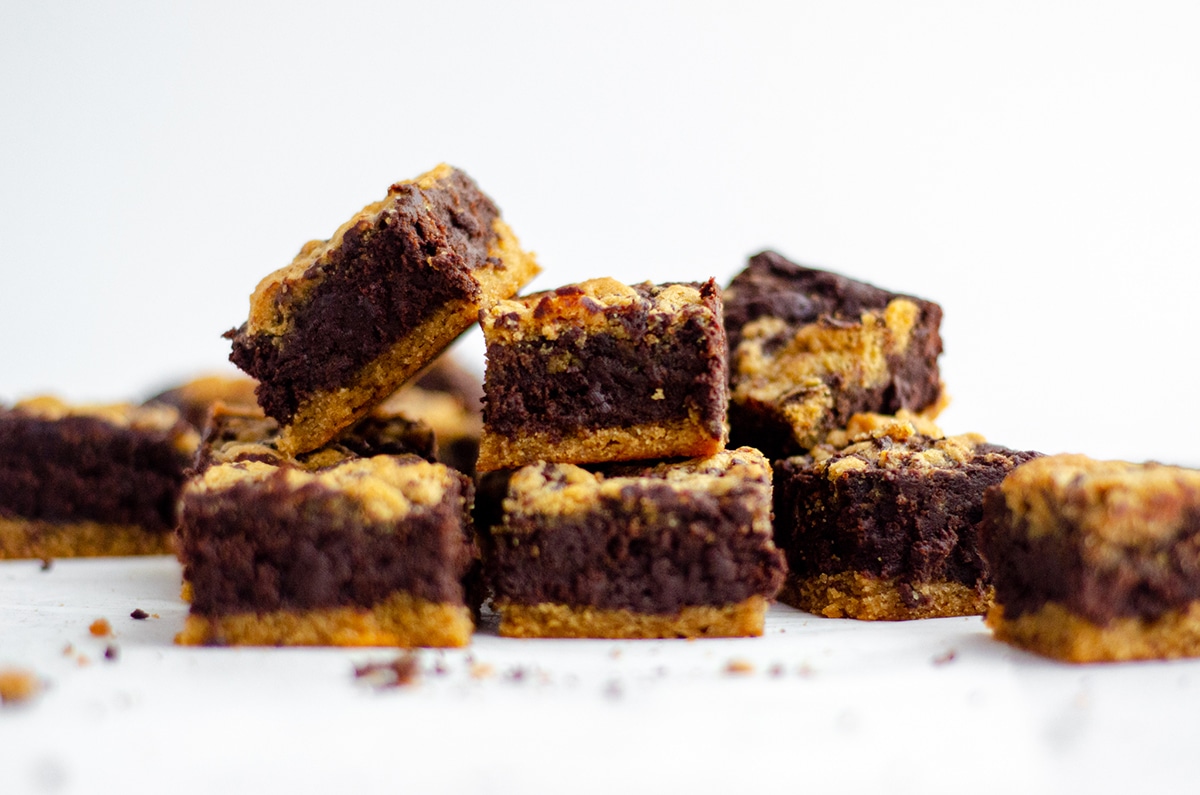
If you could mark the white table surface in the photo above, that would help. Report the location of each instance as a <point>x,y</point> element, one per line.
<point>920,706</point>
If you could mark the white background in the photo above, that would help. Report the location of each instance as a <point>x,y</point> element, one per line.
<point>1033,167</point>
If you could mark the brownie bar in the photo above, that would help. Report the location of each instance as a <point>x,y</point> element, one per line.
<point>809,348</point>
<point>886,527</point>
<point>195,398</point>
<point>1096,560</point>
<point>669,550</point>
<point>600,371</point>
<point>89,480</point>
<point>369,551</point>
<point>354,317</point>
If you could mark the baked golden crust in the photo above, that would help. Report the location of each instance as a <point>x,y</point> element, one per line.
<point>853,595</point>
<point>23,538</point>
<point>635,442</point>
<point>1114,502</point>
<point>1054,631</point>
<point>547,620</point>
<point>401,620</point>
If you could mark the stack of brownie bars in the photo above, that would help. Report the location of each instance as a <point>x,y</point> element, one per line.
<point>654,460</point>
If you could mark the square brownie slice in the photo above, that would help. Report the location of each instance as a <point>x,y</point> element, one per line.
<point>90,480</point>
<point>669,550</point>
<point>808,349</point>
<point>1096,560</point>
<point>600,371</point>
<point>352,318</point>
<point>366,552</point>
<point>886,528</point>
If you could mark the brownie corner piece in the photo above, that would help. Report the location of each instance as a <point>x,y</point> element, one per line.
<point>1096,561</point>
<point>676,549</point>
<point>886,527</point>
<point>809,348</point>
<point>353,317</point>
<point>368,551</point>
<point>601,371</point>
<point>90,480</point>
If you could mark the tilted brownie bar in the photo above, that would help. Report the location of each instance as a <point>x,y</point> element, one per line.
<point>600,371</point>
<point>886,527</point>
<point>90,480</point>
<point>352,318</point>
<point>369,551</point>
<point>670,550</point>
<point>809,348</point>
<point>1096,560</point>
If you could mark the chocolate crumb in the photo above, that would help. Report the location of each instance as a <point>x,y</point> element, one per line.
<point>739,667</point>
<point>440,669</point>
<point>17,686</point>
<point>47,564</point>
<point>614,689</point>
<point>516,675</point>
<point>948,656</point>
<point>775,670</point>
<point>400,672</point>
<point>100,628</point>
<point>139,614</point>
<point>111,653</point>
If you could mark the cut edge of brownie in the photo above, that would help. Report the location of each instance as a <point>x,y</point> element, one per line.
<point>400,620</point>
<point>551,620</point>
<point>685,438</point>
<point>1055,631</point>
<point>851,594</point>
<point>26,538</point>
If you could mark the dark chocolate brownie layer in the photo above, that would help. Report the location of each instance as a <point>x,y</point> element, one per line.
<point>292,550</point>
<point>381,283</point>
<point>594,560</point>
<point>81,468</point>
<point>1143,582</point>
<point>910,524</point>
<point>604,378</point>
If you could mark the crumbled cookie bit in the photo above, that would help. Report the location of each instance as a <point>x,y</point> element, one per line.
<point>17,686</point>
<point>100,628</point>
<point>111,653</point>
<point>482,671</point>
<point>440,669</point>
<point>403,671</point>
<point>68,650</point>
<point>945,657</point>
<point>139,614</point>
<point>47,564</point>
<point>739,667</point>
